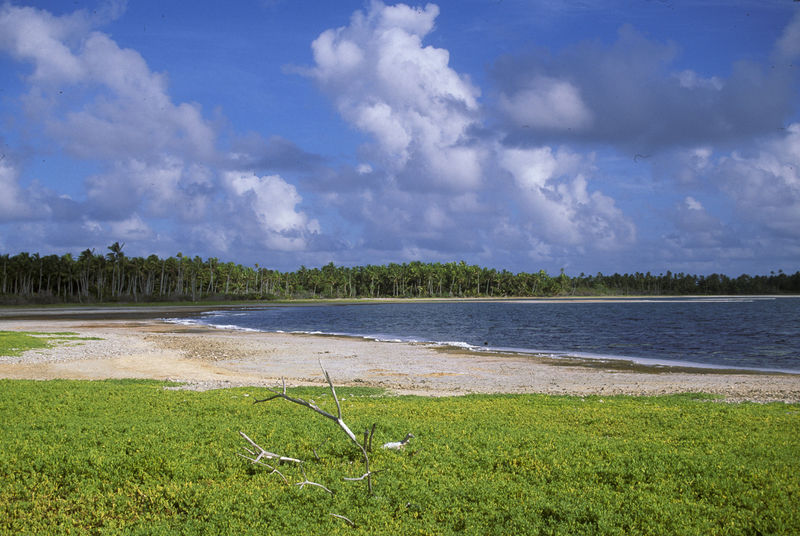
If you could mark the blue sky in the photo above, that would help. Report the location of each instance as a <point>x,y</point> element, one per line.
<point>590,136</point>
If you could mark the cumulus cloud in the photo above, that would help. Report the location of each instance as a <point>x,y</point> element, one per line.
<point>427,186</point>
<point>759,185</point>
<point>546,103</point>
<point>697,229</point>
<point>37,36</point>
<point>165,188</point>
<point>555,188</point>
<point>387,83</point>
<point>112,104</point>
<point>13,202</point>
<point>765,183</point>
<point>788,45</point>
<point>160,161</point>
<point>629,94</point>
<point>272,202</point>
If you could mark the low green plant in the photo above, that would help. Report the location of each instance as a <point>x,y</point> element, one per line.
<point>131,457</point>
<point>14,343</point>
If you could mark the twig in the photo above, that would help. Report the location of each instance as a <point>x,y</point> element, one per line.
<point>357,478</point>
<point>320,446</point>
<point>348,521</point>
<point>310,483</point>
<point>272,469</point>
<point>266,454</point>
<point>371,433</point>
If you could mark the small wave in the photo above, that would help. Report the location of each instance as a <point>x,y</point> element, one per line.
<point>195,322</point>
<point>232,327</point>
<point>456,344</point>
<point>180,321</point>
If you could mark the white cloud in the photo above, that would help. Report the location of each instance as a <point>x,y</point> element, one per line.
<point>788,45</point>
<point>690,80</point>
<point>158,160</point>
<point>273,203</point>
<point>555,189</point>
<point>693,204</point>
<point>29,34</point>
<point>765,184</point>
<point>167,188</point>
<point>131,228</point>
<point>124,107</point>
<point>432,181</point>
<point>547,103</point>
<point>13,204</point>
<point>387,83</point>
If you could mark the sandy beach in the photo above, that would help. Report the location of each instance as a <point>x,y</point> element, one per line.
<point>134,346</point>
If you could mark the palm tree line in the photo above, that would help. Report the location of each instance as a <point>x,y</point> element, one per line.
<point>113,277</point>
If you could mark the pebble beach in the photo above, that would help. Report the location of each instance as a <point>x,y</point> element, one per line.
<point>128,344</point>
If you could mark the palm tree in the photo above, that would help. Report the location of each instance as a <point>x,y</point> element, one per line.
<point>117,257</point>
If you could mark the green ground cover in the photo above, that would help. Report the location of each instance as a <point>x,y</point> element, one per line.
<point>14,343</point>
<point>129,457</point>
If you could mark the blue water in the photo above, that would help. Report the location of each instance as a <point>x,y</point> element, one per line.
<point>753,333</point>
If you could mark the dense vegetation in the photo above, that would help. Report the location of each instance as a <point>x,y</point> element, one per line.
<point>129,457</point>
<point>93,277</point>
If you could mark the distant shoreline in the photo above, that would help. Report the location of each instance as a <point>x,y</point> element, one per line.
<point>159,310</point>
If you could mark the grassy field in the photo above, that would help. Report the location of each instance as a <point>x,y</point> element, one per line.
<point>129,457</point>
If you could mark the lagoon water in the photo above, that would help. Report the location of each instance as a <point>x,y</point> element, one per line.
<point>760,333</point>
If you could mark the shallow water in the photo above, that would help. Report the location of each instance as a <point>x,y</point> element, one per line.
<point>755,333</point>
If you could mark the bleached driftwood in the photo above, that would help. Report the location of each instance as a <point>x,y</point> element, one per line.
<point>307,482</point>
<point>257,455</point>
<point>346,520</point>
<point>397,445</point>
<point>310,404</point>
<point>264,453</point>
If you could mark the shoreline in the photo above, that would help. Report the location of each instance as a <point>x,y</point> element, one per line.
<point>204,357</point>
<point>646,365</point>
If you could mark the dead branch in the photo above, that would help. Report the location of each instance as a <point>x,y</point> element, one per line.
<point>313,406</point>
<point>368,437</point>
<point>268,466</point>
<point>308,482</point>
<point>358,478</point>
<point>320,446</point>
<point>310,404</point>
<point>264,453</point>
<point>348,521</point>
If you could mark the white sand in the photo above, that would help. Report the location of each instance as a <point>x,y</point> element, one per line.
<point>207,358</point>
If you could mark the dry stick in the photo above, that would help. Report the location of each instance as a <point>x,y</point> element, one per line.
<point>320,446</point>
<point>272,469</point>
<point>310,483</point>
<point>358,478</point>
<point>266,454</point>
<point>349,522</point>
<point>335,418</point>
<point>256,457</point>
<point>371,433</point>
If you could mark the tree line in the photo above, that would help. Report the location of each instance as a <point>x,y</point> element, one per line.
<point>115,277</point>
